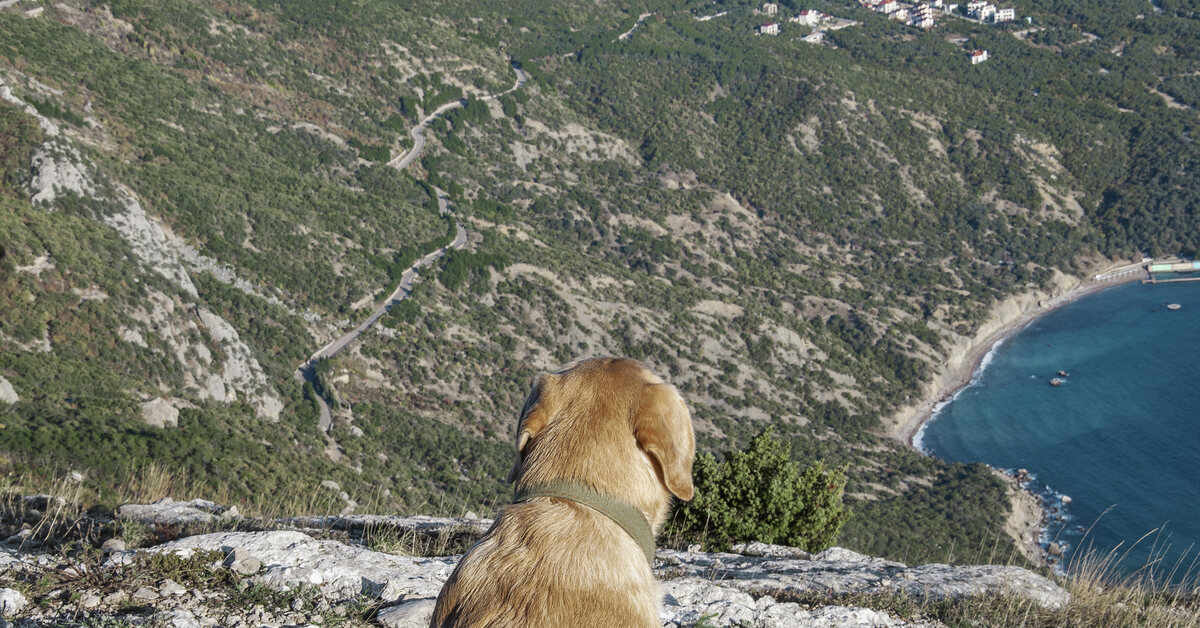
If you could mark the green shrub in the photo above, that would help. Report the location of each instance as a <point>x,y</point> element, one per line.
<point>760,494</point>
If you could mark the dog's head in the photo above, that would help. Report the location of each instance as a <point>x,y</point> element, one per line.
<point>612,425</point>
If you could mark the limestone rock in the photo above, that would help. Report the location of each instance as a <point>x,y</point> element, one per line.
<point>242,562</point>
<point>291,559</point>
<point>159,412</point>
<point>841,571</point>
<point>178,618</point>
<point>412,614</point>
<point>145,594</point>
<point>7,394</point>
<point>169,511</point>
<point>687,601</point>
<point>11,602</point>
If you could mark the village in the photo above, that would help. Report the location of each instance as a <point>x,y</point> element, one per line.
<point>919,15</point>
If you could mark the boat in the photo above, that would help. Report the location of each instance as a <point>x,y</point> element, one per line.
<point>1063,374</point>
<point>1056,382</point>
<point>1174,306</point>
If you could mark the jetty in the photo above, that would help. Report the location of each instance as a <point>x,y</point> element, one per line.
<point>1172,271</point>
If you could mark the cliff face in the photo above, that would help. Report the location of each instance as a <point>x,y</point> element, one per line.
<point>301,576</point>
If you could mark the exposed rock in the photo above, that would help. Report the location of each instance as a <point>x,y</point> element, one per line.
<point>11,602</point>
<point>242,371</point>
<point>840,571</point>
<point>115,598</point>
<point>411,614</point>
<point>145,594</point>
<point>58,168</point>
<point>170,512</point>
<point>242,562</point>
<point>170,588</point>
<point>7,394</point>
<point>178,618</point>
<point>113,545</point>
<point>689,600</point>
<point>159,412</point>
<point>292,559</point>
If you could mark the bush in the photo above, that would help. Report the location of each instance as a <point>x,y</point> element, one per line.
<point>760,494</point>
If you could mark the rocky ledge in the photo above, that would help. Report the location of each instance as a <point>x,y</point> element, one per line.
<point>299,576</point>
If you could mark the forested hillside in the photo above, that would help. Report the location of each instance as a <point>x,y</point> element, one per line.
<point>197,197</point>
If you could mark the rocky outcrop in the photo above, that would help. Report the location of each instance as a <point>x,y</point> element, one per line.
<point>167,511</point>
<point>159,412</point>
<point>59,168</point>
<point>7,394</point>
<point>317,578</point>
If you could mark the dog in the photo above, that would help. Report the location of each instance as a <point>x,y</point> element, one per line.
<point>602,446</point>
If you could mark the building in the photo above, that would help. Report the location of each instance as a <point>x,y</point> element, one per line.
<point>887,7</point>
<point>1005,15</point>
<point>770,8</point>
<point>810,17</point>
<point>814,38</point>
<point>900,15</point>
<point>770,28</point>
<point>978,56</point>
<point>921,22</point>
<point>922,12</point>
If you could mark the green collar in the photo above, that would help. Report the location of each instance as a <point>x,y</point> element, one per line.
<point>624,515</point>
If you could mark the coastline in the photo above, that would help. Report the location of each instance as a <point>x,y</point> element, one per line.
<point>1028,515</point>
<point>1008,317</point>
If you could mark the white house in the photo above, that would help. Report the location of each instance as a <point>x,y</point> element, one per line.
<point>770,8</point>
<point>809,17</point>
<point>1005,15</point>
<point>887,7</point>
<point>978,56</point>
<point>922,22</point>
<point>770,28</point>
<point>900,15</point>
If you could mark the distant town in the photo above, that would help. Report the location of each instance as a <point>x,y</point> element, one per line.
<point>919,15</point>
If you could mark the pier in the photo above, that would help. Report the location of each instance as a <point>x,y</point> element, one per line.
<point>1172,268</point>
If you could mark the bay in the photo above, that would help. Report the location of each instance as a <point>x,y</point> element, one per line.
<point>1119,437</point>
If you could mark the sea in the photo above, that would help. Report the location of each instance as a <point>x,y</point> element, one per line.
<point>1114,450</point>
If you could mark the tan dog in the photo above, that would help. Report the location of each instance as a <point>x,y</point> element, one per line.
<point>610,427</point>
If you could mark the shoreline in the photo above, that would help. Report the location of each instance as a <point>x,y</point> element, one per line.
<point>1028,516</point>
<point>959,373</point>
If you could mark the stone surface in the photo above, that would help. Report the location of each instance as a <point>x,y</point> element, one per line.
<point>242,562</point>
<point>159,412</point>
<point>7,394</point>
<point>170,512</point>
<point>11,602</point>
<point>411,614</point>
<point>145,594</point>
<point>841,571</point>
<point>291,559</point>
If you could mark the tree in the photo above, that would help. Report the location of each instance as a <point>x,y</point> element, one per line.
<point>760,494</point>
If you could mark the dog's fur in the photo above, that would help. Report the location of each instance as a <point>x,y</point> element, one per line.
<point>608,424</point>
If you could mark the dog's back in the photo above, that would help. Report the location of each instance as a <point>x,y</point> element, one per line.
<point>612,427</point>
<point>547,563</point>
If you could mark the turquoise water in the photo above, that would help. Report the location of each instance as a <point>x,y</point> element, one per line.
<point>1120,437</point>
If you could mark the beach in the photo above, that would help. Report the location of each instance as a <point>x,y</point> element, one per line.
<point>968,353</point>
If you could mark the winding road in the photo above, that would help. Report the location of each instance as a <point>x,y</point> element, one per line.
<point>307,371</point>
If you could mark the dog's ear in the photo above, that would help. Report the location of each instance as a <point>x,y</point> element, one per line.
<point>663,429</point>
<point>534,415</point>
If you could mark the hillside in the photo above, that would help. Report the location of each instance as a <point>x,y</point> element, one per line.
<point>197,198</point>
